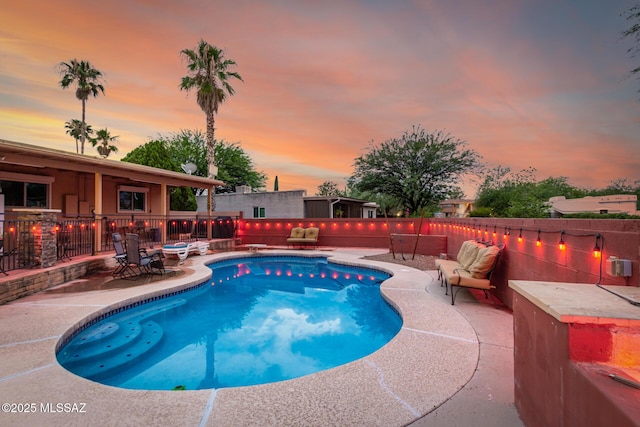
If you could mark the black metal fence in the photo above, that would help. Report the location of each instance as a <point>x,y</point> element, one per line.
<point>17,245</point>
<point>177,229</point>
<point>76,236</point>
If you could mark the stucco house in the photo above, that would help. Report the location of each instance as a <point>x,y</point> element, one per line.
<point>290,204</point>
<point>90,196</point>
<point>456,208</point>
<point>617,203</point>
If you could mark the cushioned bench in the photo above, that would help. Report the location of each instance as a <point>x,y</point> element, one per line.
<point>303,236</point>
<point>471,269</point>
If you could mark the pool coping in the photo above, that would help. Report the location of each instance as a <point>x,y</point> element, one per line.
<point>433,356</point>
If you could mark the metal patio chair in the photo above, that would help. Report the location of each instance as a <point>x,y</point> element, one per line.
<point>122,269</point>
<point>138,259</point>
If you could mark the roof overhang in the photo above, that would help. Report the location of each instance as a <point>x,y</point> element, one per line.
<point>37,157</point>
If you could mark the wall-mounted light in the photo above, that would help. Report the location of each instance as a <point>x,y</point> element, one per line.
<point>538,241</point>
<point>561,245</point>
<point>507,232</point>
<point>520,236</point>
<point>597,250</point>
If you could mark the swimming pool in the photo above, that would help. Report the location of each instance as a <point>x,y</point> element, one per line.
<point>259,319</point>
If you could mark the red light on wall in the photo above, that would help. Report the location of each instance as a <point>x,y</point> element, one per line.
<point>597,252</point>
<point>561,245</point>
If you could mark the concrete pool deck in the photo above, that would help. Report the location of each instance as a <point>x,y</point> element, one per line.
<point>449,365</point>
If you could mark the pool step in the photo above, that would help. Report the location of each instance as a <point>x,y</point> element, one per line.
<point>114,344</point>
<point>101,364</point>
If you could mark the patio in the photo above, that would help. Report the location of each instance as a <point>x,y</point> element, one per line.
<point>447,366</point>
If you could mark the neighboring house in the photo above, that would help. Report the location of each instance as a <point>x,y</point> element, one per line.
<point>456,208</point>
<point>618,203</point>
<point>338,207</point>
<point>72,186</point>
<point>272,204</point>
<point>290,204</point>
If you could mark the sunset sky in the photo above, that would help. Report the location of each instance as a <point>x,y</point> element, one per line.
<point>526,83</point>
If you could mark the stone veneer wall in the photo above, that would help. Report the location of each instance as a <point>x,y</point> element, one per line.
<point>36,281</point>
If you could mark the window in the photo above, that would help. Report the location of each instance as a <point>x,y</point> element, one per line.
<point>26,191</point>
<point>258,212</point>
<point>132,199</point>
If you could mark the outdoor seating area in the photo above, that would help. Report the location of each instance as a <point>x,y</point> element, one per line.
<point>182,250</point>
<point>303,236</point>
<point>134,261</point>
<point>471,269</point>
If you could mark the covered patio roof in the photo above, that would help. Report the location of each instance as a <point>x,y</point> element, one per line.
<point>37,157</point>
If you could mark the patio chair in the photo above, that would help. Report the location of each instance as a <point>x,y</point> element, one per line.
<point>122,265</point>
<point>139,261</point>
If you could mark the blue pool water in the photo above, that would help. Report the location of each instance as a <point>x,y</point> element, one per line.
<point>259,319</point>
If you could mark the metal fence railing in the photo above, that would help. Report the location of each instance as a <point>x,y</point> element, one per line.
<point>177,229</point>
<point>77,236</point>
<point>17,244</point>
<point>74,237</point>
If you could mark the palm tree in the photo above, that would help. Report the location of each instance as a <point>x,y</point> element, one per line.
<point>76,130</point>
<point>104,138</point>
<point>209,73</point>
<point>87,80</point>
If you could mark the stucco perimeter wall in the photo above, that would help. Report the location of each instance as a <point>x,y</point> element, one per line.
<point>520,260</point>
<point>349,232</point>
<point>527,261</point>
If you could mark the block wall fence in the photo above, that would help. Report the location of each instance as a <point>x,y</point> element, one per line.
<point>521,260</point>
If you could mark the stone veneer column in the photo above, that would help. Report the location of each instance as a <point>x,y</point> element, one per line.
<point>49,253</point>
<point>38,226</point>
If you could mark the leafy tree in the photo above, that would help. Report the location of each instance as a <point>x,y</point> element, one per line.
<point>235,167</point>
<point>633,32</point>
<point>104,142</point>
<point>76,129</point>
<point>88,82</point>
<point>329,188</point>
<point>209,74</point>
<point>155,153</point>
<point>418,169</point>
<point>519,195</point>
<point>158,153</point>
